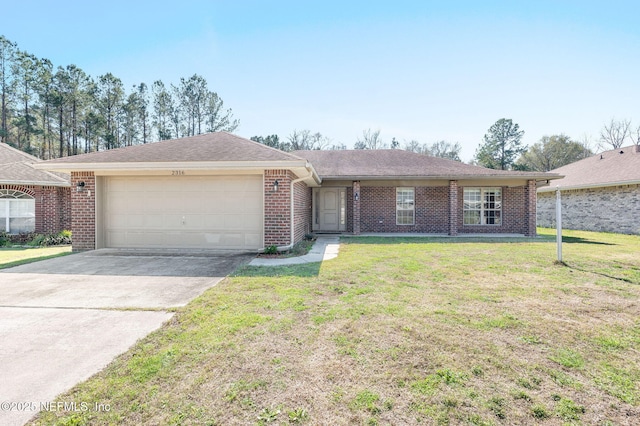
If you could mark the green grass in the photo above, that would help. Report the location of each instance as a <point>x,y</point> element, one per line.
<point>18,256</point>
<point>396,331</point>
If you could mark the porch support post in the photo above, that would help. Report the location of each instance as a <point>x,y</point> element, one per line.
<point>530,208</point>
<point>453,207</point>
<point>356,207</point>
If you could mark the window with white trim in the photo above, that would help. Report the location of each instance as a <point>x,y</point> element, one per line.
<point>482,206</point>
<point>405,206</point>
<point>17,212</point>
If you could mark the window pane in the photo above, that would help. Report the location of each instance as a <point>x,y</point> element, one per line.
<point>22,225</point>
<point>21,208</point>
<point>405,204</point>
<point>471,217</point>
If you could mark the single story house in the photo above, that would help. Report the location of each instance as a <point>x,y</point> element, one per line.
<point>31,200</point>
<point>599,193</point>
<point>218,190</point>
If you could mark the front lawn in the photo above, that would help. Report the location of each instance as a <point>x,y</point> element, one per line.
<point>14,256</point>
<point>396,331</point>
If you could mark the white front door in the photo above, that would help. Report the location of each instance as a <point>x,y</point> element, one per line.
<point>329,209</point>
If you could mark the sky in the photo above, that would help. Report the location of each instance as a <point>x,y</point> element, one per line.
<point>415,70</point>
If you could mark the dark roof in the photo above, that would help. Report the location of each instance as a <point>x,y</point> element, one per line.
<point>218,146</point>
<point>616,167</point>
<point>16,168</point>
<point>389,163</point>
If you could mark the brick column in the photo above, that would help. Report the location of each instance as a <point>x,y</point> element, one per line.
<point>83,211</point>
<point>453,207</point>
<point>277,208</point>
<point>530,208</point>
<point>356,207</point>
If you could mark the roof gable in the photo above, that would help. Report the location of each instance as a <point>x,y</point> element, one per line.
<point>615,167</point>
<point>16,167</point>
<point>217,146</point>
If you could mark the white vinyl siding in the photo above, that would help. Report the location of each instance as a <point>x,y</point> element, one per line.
<point>405,206</point>
<point>17,212</point>
<point>482,206</point>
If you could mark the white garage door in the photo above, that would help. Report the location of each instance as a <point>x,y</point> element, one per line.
<point>221,212</point>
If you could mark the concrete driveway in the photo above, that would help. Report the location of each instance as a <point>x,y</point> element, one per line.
<point>64,319</point>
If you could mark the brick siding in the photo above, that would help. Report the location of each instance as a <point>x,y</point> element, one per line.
<point>83,211</point>
<point>453,208</point>
<point>52,206</point>
<point>515,219</point>
<point>378,210</point>
<point>277,208</point>
<point>608,209</point>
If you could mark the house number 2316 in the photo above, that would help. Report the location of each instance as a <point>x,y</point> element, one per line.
<point>177,172</point>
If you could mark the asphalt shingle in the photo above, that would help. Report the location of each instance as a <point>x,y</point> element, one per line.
<point>617,166</point>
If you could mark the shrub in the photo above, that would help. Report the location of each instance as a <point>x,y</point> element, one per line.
<point>271,250</point>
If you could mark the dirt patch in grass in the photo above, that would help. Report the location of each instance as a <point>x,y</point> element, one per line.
<point>415,332</point>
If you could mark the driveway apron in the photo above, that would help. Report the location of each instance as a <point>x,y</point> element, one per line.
<point>63,320</point>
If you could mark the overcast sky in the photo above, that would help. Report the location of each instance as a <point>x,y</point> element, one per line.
<point>420,70</point>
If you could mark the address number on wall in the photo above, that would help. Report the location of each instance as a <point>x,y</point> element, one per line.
<point>177,172</point>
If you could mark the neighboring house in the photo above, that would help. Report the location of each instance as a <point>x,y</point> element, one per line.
<point>599,193</point>
<point>221,191</point>
<point>31,200</point>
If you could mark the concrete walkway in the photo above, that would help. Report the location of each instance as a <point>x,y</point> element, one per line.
<point>325,248</point>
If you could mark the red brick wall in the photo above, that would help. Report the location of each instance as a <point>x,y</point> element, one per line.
<point>277,208</point>
<point>378,210</point>
<point>53,209</point>
<point>301,210</point>
<point>514,214</point>
<point>52,206</point>
<point>356,215</point>
<point>453,208</point>
<point>531,212</point>
<point>83,211</point>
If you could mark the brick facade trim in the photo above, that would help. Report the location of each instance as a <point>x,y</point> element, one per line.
<point>356,207</point>
<point>83,211</point>
<point>453,207</point>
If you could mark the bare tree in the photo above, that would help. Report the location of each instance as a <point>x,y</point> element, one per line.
<point>300,140</point>
<point>615,133</point>
<point>370,140</point>
<point>635,135</point>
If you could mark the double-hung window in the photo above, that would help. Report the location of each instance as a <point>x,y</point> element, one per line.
<point>17,212</point>
<point>482,206</point>
<point>405,206</point>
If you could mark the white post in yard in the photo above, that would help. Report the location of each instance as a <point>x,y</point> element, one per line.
<point>559,223</point>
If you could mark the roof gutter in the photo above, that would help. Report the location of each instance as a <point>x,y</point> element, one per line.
<point>170,165</point>
<point>449,177</point>
<point>34,183</point>
<point>587,186</point>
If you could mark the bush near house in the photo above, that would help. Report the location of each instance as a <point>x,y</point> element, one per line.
<point>36,240</point>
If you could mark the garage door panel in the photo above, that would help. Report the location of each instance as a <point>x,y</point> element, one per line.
<point>184,212</point>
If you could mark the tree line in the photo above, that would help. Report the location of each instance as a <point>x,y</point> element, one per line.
<point>502,146</point>
<point>55,112</point>
<point>370,139</point>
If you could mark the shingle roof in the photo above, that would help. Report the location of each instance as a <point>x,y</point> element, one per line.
<point>218,146</point>
<point>16,168</point>
<point>616,167</point>
<point>386,163</point>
